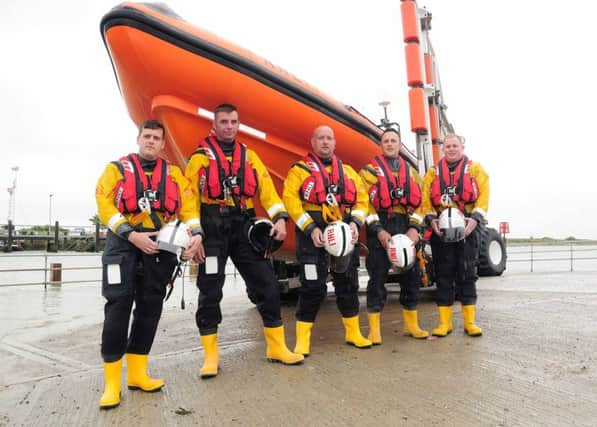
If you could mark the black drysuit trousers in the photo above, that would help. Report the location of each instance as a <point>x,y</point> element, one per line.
<point>315,263</point>
<point>131,276</point>
<point>226,236</point>
<point>378,265</point>
<point>456,269</point>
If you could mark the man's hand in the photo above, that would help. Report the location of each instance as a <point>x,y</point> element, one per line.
<point>413,235</point>
<point>195,244</point>
<point>199,257</point>
<point>143,241</point>
<point>354,231</point>
<point>384,238</point>
<point>435,227</point>
<point>317,237</point>
<point>471,224</point>
<point>278,231</point>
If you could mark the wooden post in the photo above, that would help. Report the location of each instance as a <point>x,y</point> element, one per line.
<point>56,236</point>
<point>97,236</point>
<point>9,241</point>
<point>56,273</point>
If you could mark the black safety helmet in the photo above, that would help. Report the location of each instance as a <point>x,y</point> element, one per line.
<point>259,237</point>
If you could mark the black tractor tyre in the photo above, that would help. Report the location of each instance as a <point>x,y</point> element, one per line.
<point>492,253</point>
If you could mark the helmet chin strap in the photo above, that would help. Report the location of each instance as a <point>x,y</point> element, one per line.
<point>171,244</point>
<point>177,273</point>
<point>268,247</point>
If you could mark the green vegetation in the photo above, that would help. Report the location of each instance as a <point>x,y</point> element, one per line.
<point>39,230</point>
<point>549,241</point>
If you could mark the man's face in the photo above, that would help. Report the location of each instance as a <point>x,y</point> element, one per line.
<point>323,142</point>
<point>453,149</point>
<point>150,142</point>
<point>390,144</point>
<point>226,126</point>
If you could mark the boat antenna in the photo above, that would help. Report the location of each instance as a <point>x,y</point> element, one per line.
<point>385,122</point>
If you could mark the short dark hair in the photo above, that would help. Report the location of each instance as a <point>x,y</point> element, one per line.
<point>396,131</point>
<point>225,108</point>
<point>152,124</point>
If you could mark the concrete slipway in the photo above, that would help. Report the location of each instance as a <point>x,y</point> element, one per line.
<point>534,365</point>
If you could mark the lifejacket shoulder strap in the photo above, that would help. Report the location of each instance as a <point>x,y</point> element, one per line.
<point>141,181</point>
<point>302,166</point>
<point>403,171</point>
<point>239,160</point>
<point>371,170</point>
<point>440,170</point>
<point>118,166</point>
<point>221,162</point>
<point>338,164</point>
<point>159,181</point>
<point>443,173</point>
<point>381,164</point>
<point>322,173</point>
<point>200,150</point>
<point>463,165</point>
<point>403,166</point>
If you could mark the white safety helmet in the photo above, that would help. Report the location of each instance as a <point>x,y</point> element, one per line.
<point>451,224</point>
<point>336,239</point>
<point>402,252</point>
<point>173,236</point>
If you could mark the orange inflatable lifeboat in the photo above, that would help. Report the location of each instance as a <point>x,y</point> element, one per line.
<point>172,71</point>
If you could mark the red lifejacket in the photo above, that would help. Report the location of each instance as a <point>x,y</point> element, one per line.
<point>391,190</point>
<point>161,190</point>
<point>460,186</point>
<point>321,183</point>
<point>239,177</point>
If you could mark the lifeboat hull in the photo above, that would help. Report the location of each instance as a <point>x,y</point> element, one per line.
<point>172,71</point>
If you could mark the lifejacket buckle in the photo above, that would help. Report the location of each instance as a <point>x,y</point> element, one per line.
<point>225,191</point>
<point>333,189</point>
<point>331,200</point>
<point>151,195</point>
<point>230,182</point>
<point>396,193</point>
<point>446,200</point>
<point>144,205</point>
<point>450,191</point>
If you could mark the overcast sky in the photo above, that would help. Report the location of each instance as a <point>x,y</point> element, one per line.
<point>517,77</point>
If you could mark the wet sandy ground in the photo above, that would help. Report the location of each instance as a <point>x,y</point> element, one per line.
<point>534,365</point>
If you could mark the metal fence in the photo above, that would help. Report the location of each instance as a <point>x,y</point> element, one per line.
<point>553,257</point>
<point>43,269</point>
<point>47,269</point>
<point>52,271</point>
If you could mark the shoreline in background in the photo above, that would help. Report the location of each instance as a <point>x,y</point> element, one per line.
<point>549,241</point>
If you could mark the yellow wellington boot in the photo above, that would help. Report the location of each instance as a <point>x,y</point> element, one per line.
<point>472,330</point>
<point>137,378</point>
<point>411,324</point>
<point>111,396</point>
<point>353,333</point>
<point>374,328</point>
<point>211,358</point>
<point>445,321</point>
<point>303,338</point>
<point>276,347</point>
